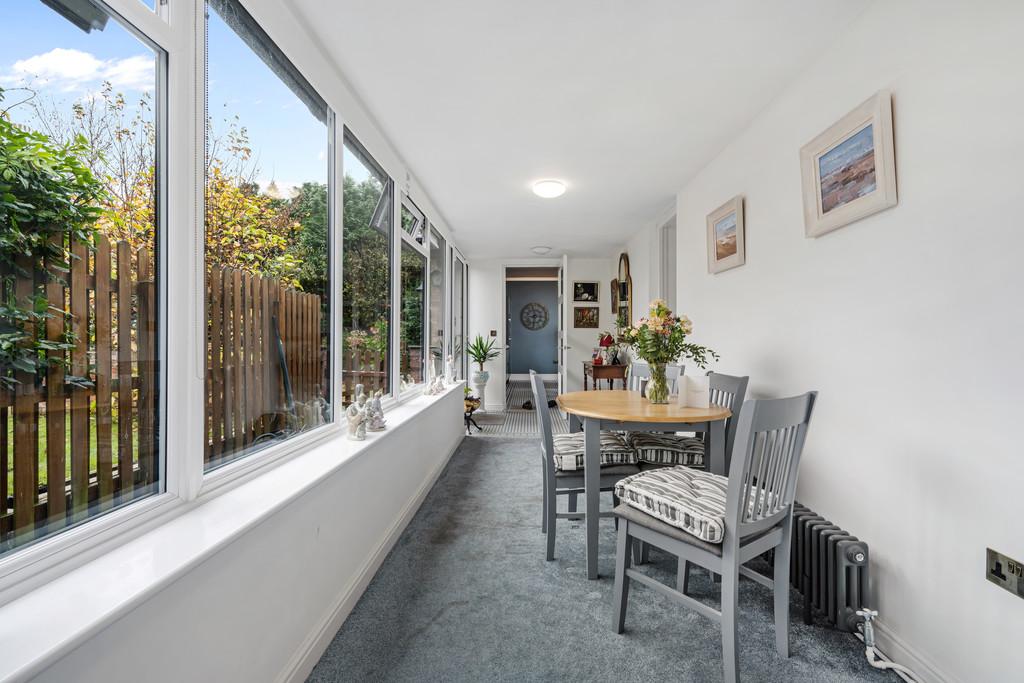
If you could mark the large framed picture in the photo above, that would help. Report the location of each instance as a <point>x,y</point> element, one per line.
<point>585,291</point>
<point>585,316</point>
<point>726,236</point>
<point>849,171</point>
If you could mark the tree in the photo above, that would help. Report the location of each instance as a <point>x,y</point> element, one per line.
<point>366,290</point>
<point>309,209</point>
<point>48,198</point>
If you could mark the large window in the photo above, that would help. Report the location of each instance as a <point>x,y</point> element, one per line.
<point>366,294</point>
<point>80,275</point>
<point>267,242</point>
<point>438,250</point>
<point>412,330</point>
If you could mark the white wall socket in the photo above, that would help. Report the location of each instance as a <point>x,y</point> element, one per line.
<point>1004,572</point>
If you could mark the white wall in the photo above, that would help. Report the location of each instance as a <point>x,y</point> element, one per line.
<point>264,607</point>
<point>582,341</point>
<point>908,322</point>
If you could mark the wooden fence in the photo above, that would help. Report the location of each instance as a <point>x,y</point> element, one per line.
<point>246,392</point>
<point>75,448</point>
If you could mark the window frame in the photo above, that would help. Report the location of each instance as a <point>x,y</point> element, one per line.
<point>177,33</point>
<point>432,230</point>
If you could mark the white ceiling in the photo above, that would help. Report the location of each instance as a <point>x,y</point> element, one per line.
<point>623,100</point>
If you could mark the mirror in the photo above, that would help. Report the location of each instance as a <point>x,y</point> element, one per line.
<point>625,298</point>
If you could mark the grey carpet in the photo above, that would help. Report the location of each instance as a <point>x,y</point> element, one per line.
<point>516,421</point>
<point>466,595</point>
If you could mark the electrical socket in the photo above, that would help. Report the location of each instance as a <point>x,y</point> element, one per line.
<point>1005,572</point>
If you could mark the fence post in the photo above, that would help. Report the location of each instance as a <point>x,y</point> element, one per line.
<point>26,437</point>
<point>125,382</point>
<point>104,458</point>
<point>147,369</point>
<point>56,460</point>
<point>79,395</point>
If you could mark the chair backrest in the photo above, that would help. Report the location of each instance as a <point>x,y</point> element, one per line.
<point>729,392</point>
<point>640,374</point>
<point>765,463</point>
<point>540,402</point>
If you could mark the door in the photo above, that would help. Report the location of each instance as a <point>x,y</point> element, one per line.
<point>563,348</point>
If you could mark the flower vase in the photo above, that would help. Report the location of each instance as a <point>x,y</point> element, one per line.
<point>657,387</point>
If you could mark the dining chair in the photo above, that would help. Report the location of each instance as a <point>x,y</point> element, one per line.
<point>562,457</point>
<point>721,523</point>
<point>640,374</point>
<point>656,450</point>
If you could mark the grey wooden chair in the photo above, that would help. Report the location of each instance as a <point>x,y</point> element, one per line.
<point>640,374</point>
<point>756,516</point>
<point>565,482</point>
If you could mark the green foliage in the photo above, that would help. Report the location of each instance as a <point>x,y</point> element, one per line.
<point>309,209</point>
<point>47,195</point>
<point>482,350</point>
<point>366,289</point>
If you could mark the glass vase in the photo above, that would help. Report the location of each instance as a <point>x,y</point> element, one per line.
<point>657,386</point>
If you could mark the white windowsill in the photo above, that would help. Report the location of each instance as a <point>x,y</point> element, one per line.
<point>46,623</point>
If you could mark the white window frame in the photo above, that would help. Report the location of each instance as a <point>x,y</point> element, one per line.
<point>403,200</point>
<point>178,30</point>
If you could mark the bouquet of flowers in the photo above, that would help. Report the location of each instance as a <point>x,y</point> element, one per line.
<point>660,338</point>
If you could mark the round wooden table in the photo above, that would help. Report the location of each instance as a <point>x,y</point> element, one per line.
<point>630,411</point>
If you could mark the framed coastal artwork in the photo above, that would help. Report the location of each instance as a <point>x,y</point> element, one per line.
<point>585,316</point>
<point>726,242</point>
<point>849,171</point>
<point>584,291</point>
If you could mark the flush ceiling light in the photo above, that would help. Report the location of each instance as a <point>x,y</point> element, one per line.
<point>540,251</point>
<point>549,189</point>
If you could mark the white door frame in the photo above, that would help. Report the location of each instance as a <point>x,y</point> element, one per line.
<point>503,303</point>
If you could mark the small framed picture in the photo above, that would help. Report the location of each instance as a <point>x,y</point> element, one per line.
<point>726,238</point>
<point>585,291</point>
<point>585,316</point>
<point>849,171</point>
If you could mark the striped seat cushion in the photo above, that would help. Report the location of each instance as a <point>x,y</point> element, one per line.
<point>668,449</point>
<point>569,451</point>
<point>691,500</point>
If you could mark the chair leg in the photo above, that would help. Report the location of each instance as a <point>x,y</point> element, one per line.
<point>730,596</point>
<point>572,502</point>
<point>645,553</point>
<point>620,594</point>
<point>636,547</point>
<point>550,510</point>
<point>544,512</point>
<point>683,577</point>
<point>780,588</point>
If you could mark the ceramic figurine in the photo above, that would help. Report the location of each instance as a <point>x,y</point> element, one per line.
<point>435,387</point>
<point>450,373</point>
<point>377,423</point>
<point>356,416</point>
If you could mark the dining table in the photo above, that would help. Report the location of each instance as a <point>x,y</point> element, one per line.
<point>594,411</point>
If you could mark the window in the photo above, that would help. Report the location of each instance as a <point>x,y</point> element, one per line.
<point>458,314</point>
<point>366,292</point>
<point>268,228</point>
<point>80,362</point>
<point>411,331</point>
<point>438,249</point>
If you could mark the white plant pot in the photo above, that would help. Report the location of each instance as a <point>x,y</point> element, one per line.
<point>480,378</point>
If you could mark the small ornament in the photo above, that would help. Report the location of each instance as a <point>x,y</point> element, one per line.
<point>375,412</point>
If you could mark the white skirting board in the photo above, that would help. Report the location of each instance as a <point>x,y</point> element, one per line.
<point>313,648</point>
<point>897,650</point>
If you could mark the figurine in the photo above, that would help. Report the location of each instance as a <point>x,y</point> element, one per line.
<point>356,416</point>
<point>435,387</point>
<point>377,423</point>
<point>451,376</point>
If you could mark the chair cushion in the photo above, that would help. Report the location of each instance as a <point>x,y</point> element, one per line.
<point>688,499</point>
<point>569,451</point>
<point>668,449</point>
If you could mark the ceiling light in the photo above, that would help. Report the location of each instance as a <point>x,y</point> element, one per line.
<point>540,251</point>
<point>549,189</point>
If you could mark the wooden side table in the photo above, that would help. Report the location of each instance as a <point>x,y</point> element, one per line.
<point>606,372</point>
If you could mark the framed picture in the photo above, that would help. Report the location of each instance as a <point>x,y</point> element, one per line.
<point>849,171</point>
<point>585,316</point>
<point>613,294</point>
<point>584,291</point>
<point>726,241</point>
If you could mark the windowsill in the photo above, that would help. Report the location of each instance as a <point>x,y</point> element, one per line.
<point>60,615</point>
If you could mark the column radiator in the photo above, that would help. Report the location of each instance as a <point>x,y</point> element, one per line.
<point>830,569</point>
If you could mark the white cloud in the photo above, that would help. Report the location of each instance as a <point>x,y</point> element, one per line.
<point>71,70</point>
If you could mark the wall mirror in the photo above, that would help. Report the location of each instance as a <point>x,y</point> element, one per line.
<point>625,314</point>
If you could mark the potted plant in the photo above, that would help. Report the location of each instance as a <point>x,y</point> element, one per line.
<point>660,338</point>
<point>480,351</point>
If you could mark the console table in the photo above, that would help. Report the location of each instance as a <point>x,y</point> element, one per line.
<point>606,372</point>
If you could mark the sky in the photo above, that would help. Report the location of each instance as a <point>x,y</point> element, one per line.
<point>65,64</point>
<point>846,151</point>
